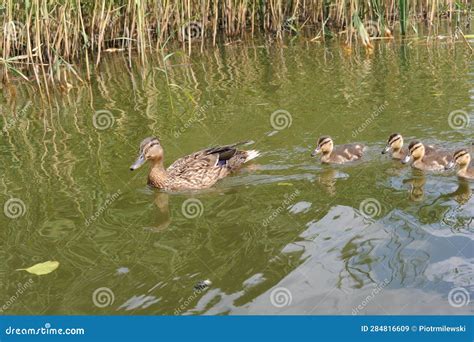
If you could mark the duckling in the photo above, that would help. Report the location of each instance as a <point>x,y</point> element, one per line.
<point>463,159</point>
<point>395,144</point>
<point>199,170</point>
<point>436,161</point>
<point>337,154</point>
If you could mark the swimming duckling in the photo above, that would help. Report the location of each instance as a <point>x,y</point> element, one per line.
<point>463,159</point>
<point>199,170</point>
<point>337,154</point>
<point>395,144</point>
<point>436,161</point>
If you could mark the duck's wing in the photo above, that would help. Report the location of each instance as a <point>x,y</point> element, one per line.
<point>350,150</point>
<point>436,152</point>
<point>226,152</point>
<point>430,149</point>
<point>195,171</point>
<point>205,167</point>
<point>438,157</point>
<point>209,157</point>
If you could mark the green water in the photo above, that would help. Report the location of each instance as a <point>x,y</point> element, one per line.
<point>285,235</point>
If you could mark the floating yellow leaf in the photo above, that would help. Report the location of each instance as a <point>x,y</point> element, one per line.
<point>41,268</point>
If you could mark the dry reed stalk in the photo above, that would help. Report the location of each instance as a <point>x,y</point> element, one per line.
<point>43,38</point>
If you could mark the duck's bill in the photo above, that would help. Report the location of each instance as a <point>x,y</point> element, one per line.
<point>139,162</point>
<point>406,160</point>
<point>449,166</point>
<point>315,152</point>
<point>386,149</point>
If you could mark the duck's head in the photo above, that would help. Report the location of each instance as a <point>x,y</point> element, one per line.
<point>150,149</point>
<point>416,151</point>
<point>324,145</point>
<point>461,157</point>
<point>394,142</point>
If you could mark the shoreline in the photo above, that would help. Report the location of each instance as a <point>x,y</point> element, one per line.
<point>46,51</point>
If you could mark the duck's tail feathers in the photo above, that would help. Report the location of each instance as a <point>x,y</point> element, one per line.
<point>251,154</point>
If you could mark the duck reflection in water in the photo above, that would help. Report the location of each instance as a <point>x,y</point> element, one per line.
<point>163,216</point>
<point>162,202</point>
<point>327,179</point>
<point>463,193</point>
<point>417,187</point>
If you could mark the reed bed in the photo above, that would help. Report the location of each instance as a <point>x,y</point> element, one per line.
<point>42,39</point>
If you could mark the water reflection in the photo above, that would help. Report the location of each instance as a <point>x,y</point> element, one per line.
<point>463,193</point>
<point>417,184</point>
<point>163,217</point>
<point>327,178</point>
<point>317,243</point>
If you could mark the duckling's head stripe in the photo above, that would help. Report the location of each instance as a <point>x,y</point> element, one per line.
<point>324,140</point>
<point>460,153</point>
<point>414,145</point>
<point>394,137</point>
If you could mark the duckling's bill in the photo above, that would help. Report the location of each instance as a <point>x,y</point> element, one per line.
<point>406,159</point>
<point>316,151</point>
<point>450,165</point>
<point>386,149</point>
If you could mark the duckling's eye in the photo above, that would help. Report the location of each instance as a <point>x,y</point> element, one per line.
<point>324,143</point>
<point>391,143</point>
<point>461,155</point>
<point>415,148</point>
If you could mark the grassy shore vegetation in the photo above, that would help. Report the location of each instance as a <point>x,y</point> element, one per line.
<point>43,40</point>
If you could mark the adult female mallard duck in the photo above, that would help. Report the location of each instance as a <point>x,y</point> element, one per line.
<point>199,170</point>
<point>436,161</point>
<point>337,154</point>
<point>463,159</point>
<point>395,145</point>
